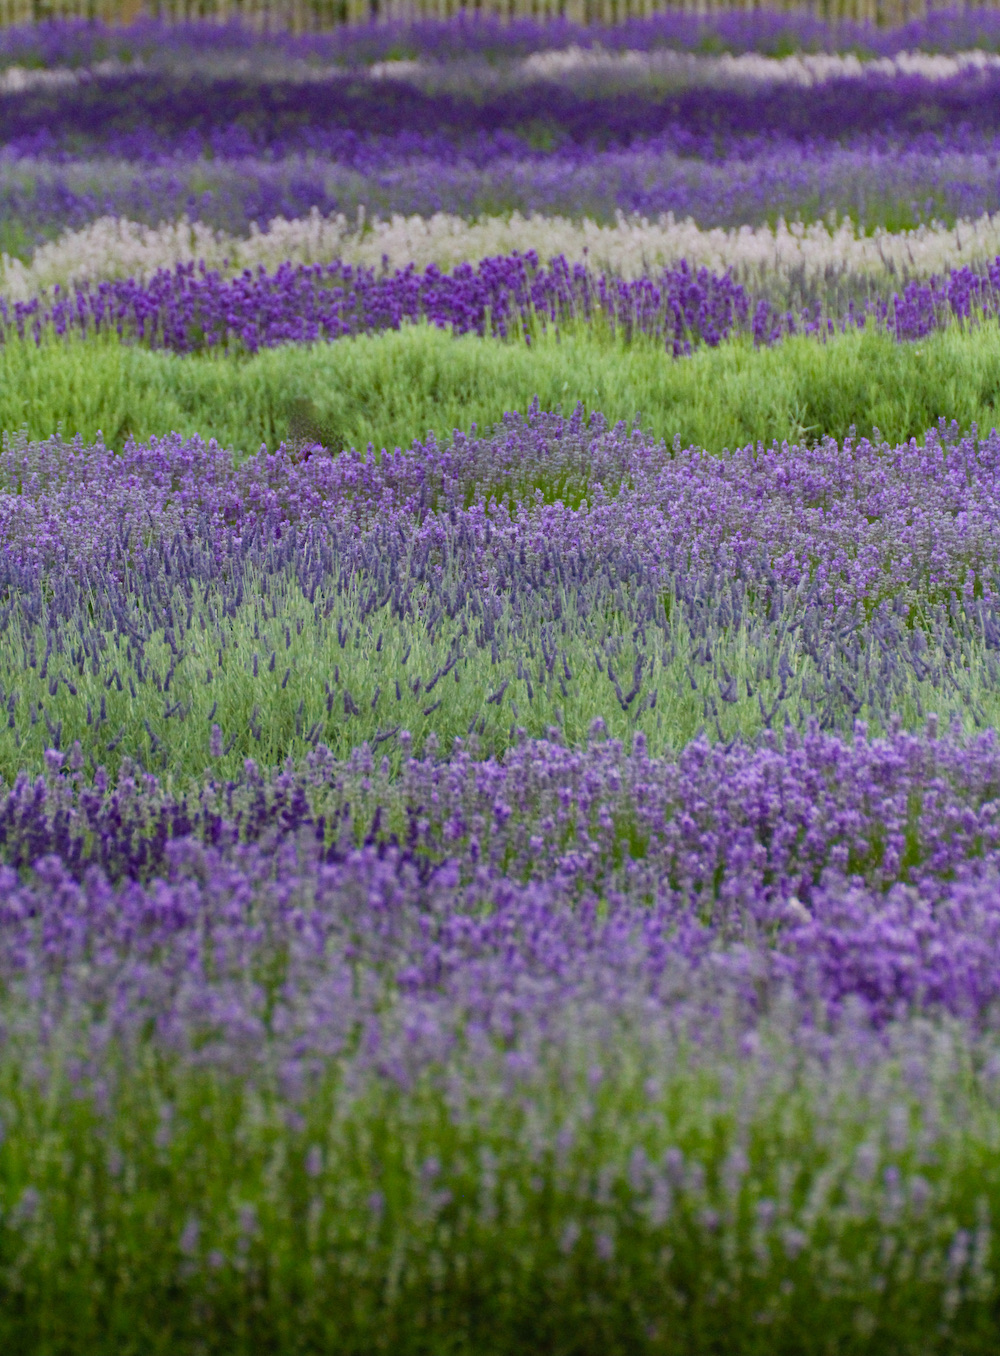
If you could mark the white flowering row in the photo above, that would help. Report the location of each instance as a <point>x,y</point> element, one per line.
<point>632,67</point>
<point>112,247</point>
<point>807,68</point>
<point>665,68</point>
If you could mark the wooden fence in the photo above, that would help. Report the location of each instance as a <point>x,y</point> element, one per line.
<point>313,15</point>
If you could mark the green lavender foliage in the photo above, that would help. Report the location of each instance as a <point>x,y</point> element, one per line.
<point>389,388</point>
<point>277,674</point>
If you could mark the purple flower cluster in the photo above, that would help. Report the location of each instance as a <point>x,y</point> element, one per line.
<point>743,838</point>
<point>654,1066</point>
<point>922,307</point>
<point>847,526</point>
<point>963,294</point>
<point>178,956</point>
<point>192,308</point>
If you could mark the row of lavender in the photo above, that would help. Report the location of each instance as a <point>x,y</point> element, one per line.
<point>801,847</point>
<point>192,308</point>
<point>150,116</point>
<point>166,605</point>
<point>704,1037</point>
<point>888,186</point>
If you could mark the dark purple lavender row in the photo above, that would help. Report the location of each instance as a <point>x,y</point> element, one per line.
<point>373,152</point>
<point>193,308</point>
<point>164,111</point>
<point>76,43</point>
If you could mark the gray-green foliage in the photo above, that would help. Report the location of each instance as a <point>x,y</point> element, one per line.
<point>279,665</point>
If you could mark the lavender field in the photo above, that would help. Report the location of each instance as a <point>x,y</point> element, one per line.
<point>499,688</point>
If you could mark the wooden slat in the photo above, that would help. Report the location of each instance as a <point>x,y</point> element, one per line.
<point>313,15</point>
